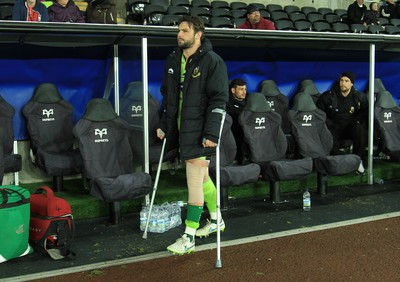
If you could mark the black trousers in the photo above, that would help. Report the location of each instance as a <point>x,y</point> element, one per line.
<point>355,132</point>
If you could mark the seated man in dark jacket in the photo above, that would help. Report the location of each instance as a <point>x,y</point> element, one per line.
<point>235,105</point>
<point>356,13</point>
<point>346,115</point>
<point>30,11</point>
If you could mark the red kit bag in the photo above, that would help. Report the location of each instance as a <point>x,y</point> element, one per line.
<point>51,225</point>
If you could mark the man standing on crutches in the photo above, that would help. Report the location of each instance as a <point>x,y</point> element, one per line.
<point>195,92</point>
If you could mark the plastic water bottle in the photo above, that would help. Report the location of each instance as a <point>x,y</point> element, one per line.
<point>306,200</point>
<point>379,181</point>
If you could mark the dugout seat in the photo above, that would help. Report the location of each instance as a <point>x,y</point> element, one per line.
<point>49,124</point>
<point>107,157</point>
<point>12,162</point>
<point>268,145</point>
<point>308,86</point>
<point>315,141</point>
<point>231,174</point>
<point>131,110</point>
<point>387,119</point>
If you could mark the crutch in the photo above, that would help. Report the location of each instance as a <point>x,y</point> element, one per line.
<point>154,188</point>
<point>218,263</point>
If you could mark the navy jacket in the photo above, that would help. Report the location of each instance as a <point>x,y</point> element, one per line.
<point>204,89</point>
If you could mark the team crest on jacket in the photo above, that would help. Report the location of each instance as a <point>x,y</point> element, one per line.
<point>196,72</point>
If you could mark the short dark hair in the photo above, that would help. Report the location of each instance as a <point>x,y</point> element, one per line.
<point>194,22</point>
<point>237,82</point>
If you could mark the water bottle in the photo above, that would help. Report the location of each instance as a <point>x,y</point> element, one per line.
<point>379,181</point>
<point>306,200</point>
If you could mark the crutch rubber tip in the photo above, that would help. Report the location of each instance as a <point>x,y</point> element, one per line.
<point>218,264</point>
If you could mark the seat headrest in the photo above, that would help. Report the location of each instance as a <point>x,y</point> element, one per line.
<point>257,103</point>
<point>308,86</point>
<point>134,90</point>
<point>378,85</point>
<point>46,93</point>
<point>99,110</point>
<point>385,100</point>
<point>303,103</point>
<point>269,88</point>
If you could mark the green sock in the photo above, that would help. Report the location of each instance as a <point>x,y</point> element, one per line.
<point>210,195</point>
<point>193,216</point>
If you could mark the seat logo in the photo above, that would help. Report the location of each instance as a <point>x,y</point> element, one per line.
<point>136,110</point>
<point>48,113</point>
<point>271,104</point>
<point>306,119</point>
<point>388,117</point>
<point>100,132</point>
<point>170,71</point>
<point>260,121</point>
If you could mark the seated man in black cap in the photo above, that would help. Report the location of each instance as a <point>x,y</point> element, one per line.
<point>255,20</point>
<point>346,115</point>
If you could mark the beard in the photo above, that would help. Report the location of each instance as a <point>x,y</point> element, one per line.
<point>185,44</point>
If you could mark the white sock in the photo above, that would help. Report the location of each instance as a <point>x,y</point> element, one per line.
<point>190,231</point>
<point>213,216</point>
<point>361,168</point>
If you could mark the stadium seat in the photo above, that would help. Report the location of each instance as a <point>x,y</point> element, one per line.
<point>201,3</point>
<point>385,21</point>
<point>238,5</point>
<point>375,29</point>
<point>284,24</point>
<point>223,13</point>
<point>134,10</point>
<point>358,28</point>
<point>279,15</point>
<point>154,13</point>
<point>315,141</point>
<point>315,17</point>
<point>163,3</point>
<point>309,10</point>
<point>340,12</point>
<point>277,101</point>
<point>262,126</point>
<point>107,157</point>
<point>184,3</point>
<point>220,4</point>
<point>170,20</point>
<point>200,11</point>
<point>237,22</point>
<point>395,22</point>
<point>274,8</point>
<point>308,86</point>
<point>303,25</point>
<point>132,111</point>
<point>237,14</point>
<point>387,118</point>
<point>177,10</point>
<point>10,162</point>
<point>391,29</point>
<point>297,17</point>
<point>220,22</point>
<point>49,124</point>
<point>289,9</point>
<point>231,174</point>
<point>341,27</point>
<point>325,11</point>
<point>321,26</point>
<point>332,18</point>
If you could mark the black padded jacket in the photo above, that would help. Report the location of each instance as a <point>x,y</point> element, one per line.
<point>205,88</point>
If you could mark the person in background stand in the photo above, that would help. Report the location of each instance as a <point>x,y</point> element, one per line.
<point>346,116</point>
<point>235,105</point>
<point>388,10</point>
<point>255,20</point>
<point>194,96</point>
<point>356,13</point>
<point>29,11</point>
<point>372,16</point>
<point>65,11</point>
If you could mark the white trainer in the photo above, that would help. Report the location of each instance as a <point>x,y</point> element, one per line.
<point>210,228</point>
<point>182,246</point>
